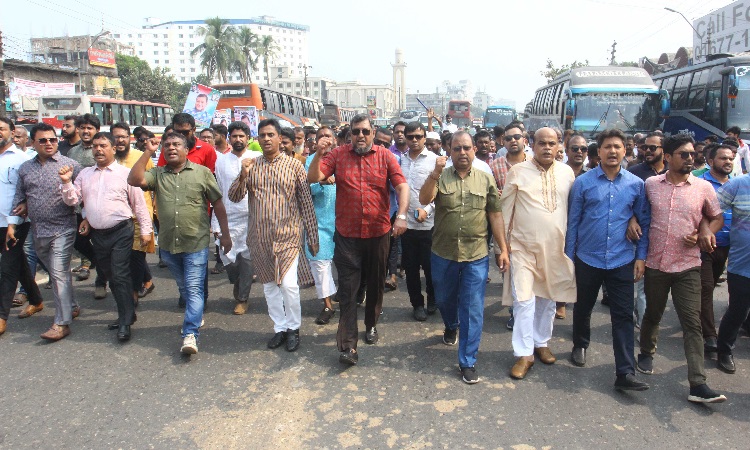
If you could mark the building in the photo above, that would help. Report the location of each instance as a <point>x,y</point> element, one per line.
<point>399,80</point>
<point>437,100</point>
<point>317,87</point>
<point>169,44</point>
<point>376,99</point>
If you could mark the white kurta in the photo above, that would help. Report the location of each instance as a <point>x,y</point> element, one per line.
<point>228,167</point>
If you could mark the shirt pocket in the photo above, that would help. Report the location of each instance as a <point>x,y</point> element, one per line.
<point>477,199</point>
<point>449,196</point>
<point>193,194</point>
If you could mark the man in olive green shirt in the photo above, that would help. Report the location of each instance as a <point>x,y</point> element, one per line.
<point>465,199</point>
<point>183,191</point>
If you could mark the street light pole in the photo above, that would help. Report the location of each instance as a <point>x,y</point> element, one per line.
<point>96,38</point>
<point>305,66</point>
<point>708,43</point>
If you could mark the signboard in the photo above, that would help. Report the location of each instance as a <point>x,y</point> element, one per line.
<point>201,104</point>
<point>727,29</point>
<point>223,117</point>
<point>28,88</point>
<point>102,58</point>
<point>249,115</point>
<point>371,103</point>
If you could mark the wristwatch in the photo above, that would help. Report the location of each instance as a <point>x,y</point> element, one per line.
<point>401,216</point>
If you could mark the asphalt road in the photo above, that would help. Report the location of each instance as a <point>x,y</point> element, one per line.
<point>89,391</point>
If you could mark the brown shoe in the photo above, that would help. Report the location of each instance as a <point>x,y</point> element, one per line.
<point>240,308</point>
<point>76,312</point>
<point>19,299</point>
<point>545,355</point>
<point>100,292</point>
<point>520,368</point>
<point>3,325</point>
<point>30,310</point>
<point>56,332</point>
<point>560,311</point>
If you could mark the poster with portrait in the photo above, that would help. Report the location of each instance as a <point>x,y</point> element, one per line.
<point>223,117</point>
<point>249,115</point>
<point>201,104</point>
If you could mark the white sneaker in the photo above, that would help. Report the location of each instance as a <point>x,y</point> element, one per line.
<point>203,322</point>
<point>189,346</point>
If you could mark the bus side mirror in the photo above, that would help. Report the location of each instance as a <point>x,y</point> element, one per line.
<point>664,103</point>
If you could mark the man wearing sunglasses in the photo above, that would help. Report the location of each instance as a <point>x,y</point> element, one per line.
<point>363,227</point>
<point>681,204</point>
<point>54,223</point>
<point>576,152</point>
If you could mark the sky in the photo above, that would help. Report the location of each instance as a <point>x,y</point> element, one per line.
<point>500,46</point>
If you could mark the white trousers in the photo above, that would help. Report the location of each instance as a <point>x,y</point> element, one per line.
<point>533,324</point>
<point>322,271</point>
<point>283,301</point>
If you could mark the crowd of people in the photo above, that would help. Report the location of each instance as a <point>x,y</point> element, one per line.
<point>637,217</point>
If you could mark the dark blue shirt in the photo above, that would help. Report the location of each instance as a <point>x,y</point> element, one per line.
<point>644,171</point>
<point>735,195</point>
<point>598,215</point>
<point>722,237</point>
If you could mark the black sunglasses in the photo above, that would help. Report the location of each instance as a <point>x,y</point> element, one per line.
<point>381,143</point>
<point>185,133</point>
<point>45,140</point>
<point>648,148</point>
<point>578,148</point>
<point>364,131</point>
<point>686,155</point>
<point>514,136</point>
<point>414,136</point>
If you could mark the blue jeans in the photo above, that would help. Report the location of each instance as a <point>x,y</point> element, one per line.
<point>31,259</point>
<point>459,294</point>
<point>189,271</point>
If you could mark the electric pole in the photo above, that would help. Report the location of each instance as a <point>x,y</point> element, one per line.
<point>612,60</point>
<point>305,67</point>
<point>2,78</point>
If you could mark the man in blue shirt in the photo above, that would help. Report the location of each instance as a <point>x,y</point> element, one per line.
<point>601,203</point>
<point>735,195</point>
<point>721,163</point>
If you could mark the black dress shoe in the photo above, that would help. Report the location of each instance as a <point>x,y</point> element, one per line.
<point>628,382</point>
<point>578,356</point>
<point>292,340</point>
<point>349,357</point>
<point>371,336</point>
<point>123,333</point>
<point>116,324</point>
<point>146,290</point>
<point>725,362</point>
<point>277,339</point>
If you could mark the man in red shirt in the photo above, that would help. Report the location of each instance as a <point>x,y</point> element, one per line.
<point>199,152</point>
<point>363,226</point>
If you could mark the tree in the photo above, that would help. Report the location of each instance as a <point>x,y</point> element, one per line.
<point>140,82</point>
<point>550,72</point>
<point>217,52</point>
<point>247,53</point>
<point>267,49</point>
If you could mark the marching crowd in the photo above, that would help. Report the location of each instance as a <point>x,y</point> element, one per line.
<point>638,217</point>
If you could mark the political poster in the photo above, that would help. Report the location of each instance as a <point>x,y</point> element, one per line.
<point>249,115</point>
<point>223,117</point>
<point>201,104</point>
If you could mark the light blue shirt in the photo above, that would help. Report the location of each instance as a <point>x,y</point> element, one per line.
<point>598,215</point>
<point>10,160</point>
<point>735,195</point>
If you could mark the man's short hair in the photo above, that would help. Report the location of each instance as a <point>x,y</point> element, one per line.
<point>460,133</point>
<point>89,119</point>
<point>611,133</point>
<point>104,135</point>
<point>139,130</point>
<point>517,124</point>
<point>445,138</point>
<point>386,131</point>
<point>9,122</point>
<point>210,130</point>
<point>712,149</point>
<point>41,126</point>
<point>270,122</point>
<point>676,141</point>
<point>344,132</point>
<point>400,123</point>
<point>175,135</point>
<point>482,134</point>
<point>734,130</point>
<point>731,142</point>
<point>220,129</point>
<point>287,133</point>
<point>317,133</point>
<point>359,118</point>
<point>655,134</point>
<point>414,126</point>
<point>168,128</point>
<point>298,129</point>
<point>498,131</point>
<point>512,125</point>
<point>712,138</point>
<point>238,125</point>
<point>201,95</point>
<point>592,150</point>
<point>183,119</point>
<point>121,126</point>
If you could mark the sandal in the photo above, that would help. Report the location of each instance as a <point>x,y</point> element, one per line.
<point>19,300</point>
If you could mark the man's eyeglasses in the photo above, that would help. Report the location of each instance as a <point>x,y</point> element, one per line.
<point>411,137</point>
<point>310,139</point>
<point>465,148</point>
<point>185,133</point>
<point>648,148</point>
<point>45,140</point>
<point>517,137</point>
<point>142,139</point>
<point>578,148</point>
<point>686,155</point>
<point>363,131</point>
<point>381,143</point>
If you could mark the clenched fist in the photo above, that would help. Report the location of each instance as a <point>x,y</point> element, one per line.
<point>65,173</point>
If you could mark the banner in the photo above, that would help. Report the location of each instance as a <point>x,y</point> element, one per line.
<point>102,58</point>
<point>249,115</point>
<point>371,103</point>
<point>28,88</point>
<point>223,117</point>
<point>201,104</point>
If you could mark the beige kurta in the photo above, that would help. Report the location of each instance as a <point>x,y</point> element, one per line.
<point>535,210</point>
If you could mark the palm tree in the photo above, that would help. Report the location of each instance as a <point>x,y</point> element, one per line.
<point>217,51</point>
<point>247,53</point>
<point>267,49</point>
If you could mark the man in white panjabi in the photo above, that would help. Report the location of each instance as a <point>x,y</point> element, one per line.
<point>535,209</point>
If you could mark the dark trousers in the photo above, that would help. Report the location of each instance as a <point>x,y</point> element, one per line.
<point>393,251</point>
<point>416,248</point>
<point>83,246</point>
<point>139,271</point>
<point>712,266</point>
<point>112,248</point>
<point>737,313</point>
<point>353,257</point>
<point>15,268</point>
<point>620,288</point>
<point>685,288</point>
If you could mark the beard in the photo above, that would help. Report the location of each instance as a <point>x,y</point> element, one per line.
<point>238,146</point>
<point>191,142</point>
<point>363,150</point>
<point>299,150</point>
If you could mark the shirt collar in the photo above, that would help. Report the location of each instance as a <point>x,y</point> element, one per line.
<point>422,153</point>
<point>600,172</point>
<point>110,167</point>
<point>708,177</point>
<point>188,166</point>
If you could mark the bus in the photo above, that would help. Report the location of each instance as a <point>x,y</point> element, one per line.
<point>409,115</point>
<point>271,103</point>
<point>334,115</point>
<point>460,112</point>
<point>592,99</point>
<point>499,116</point>
<point>708,98</point>
<point>152,116</point>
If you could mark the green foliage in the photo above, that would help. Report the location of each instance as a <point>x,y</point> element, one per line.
<point>218,51</point>
<point>550,72</point>
<point>140,82</point>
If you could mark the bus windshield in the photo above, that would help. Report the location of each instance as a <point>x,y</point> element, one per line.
<point>738,110</point>
<point>629,112</point>
<point>501,117</point>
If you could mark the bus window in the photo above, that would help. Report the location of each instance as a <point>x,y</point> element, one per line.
<point>669,84</point>
<point>116,113</point>
<point>138,115</point>
<point>263,98</point>
<point>149,115</point>
<point>97,109</point>
<point>167,116</point>
<point>159,119</point>
<point>679,99</point>
<point>126,113</point>
<point>696,95</point>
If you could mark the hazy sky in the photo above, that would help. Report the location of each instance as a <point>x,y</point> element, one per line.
<point>500,48</point>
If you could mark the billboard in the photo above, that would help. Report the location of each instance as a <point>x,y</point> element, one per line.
<point>727,28</point>
<point>102,58</point>
<point>201,104</point>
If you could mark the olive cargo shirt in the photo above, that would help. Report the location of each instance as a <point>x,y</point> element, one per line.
<point>461,207</point>
<point>182,201</point>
